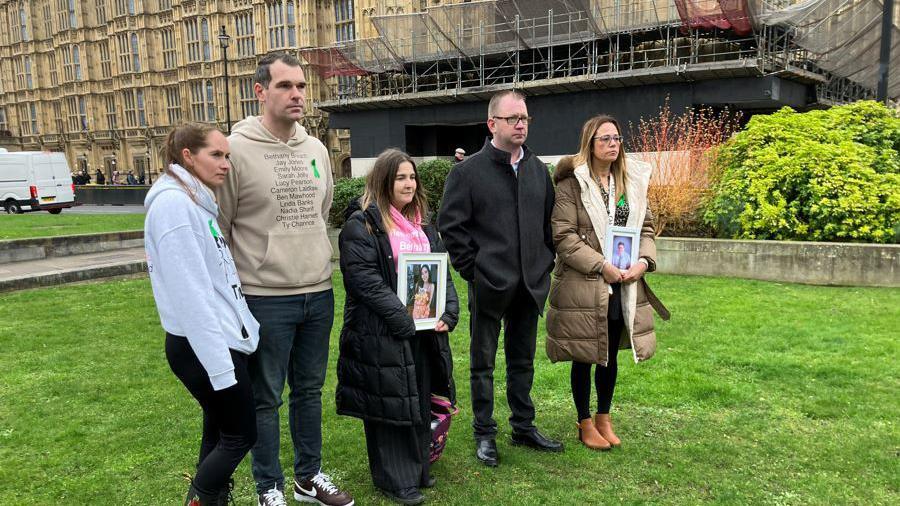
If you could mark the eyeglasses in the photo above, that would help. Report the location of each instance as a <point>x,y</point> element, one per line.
<point>514,120</point>
<point>606,139</point>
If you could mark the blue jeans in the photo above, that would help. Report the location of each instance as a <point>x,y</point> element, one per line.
<point>293,345</point>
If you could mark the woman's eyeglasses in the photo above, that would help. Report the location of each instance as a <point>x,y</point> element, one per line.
<point>608,139</point>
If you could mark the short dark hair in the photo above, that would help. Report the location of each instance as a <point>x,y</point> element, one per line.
<point>263,76</point>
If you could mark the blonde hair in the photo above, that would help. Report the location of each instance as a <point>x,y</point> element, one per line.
<point>380,188</point>
<point>497,97</point>
<point>585,154</point>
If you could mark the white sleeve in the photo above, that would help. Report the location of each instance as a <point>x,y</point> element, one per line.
<point>183,276</point>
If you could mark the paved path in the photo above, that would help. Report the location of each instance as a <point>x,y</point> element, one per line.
<point>68,269</point>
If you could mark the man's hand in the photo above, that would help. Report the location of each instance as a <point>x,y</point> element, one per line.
<point>441,327</point>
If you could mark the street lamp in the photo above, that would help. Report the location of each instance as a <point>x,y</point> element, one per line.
<point>224,39</point>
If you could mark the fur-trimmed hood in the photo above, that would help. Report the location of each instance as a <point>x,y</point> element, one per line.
<point>565,168</point>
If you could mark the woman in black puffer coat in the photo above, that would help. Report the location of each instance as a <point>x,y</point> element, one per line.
<point>387,371</point>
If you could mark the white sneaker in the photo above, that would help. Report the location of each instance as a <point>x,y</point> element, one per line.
<point>271,497</point>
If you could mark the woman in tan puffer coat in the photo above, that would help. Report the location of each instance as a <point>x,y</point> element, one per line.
<point>595,307</point>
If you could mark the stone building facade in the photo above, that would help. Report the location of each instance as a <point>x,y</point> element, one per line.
<point>104,80</point>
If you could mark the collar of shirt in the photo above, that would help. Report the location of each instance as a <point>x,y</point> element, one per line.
<point>515,165</point>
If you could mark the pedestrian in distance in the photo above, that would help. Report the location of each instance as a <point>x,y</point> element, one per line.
<point>274,204</point>
<point>495,221</point>
<point>210,332</point>
<point>387,370</point>
<point>596,307</point>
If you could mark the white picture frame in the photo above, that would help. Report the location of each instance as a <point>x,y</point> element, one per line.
<point>426,304</point>
<point>622,245</point>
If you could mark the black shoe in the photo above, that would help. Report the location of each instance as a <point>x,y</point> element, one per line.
<point>486,452</point>
<point>404,496</point>
<point>430,483</point>
<point>536,440</point>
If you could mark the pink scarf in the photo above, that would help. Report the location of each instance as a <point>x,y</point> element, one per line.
<point>407,236</point>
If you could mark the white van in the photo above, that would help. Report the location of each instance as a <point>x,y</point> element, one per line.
<point>35,181</point>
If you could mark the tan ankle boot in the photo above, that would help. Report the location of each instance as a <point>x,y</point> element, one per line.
<point>588,435</point>
<point>604,427</point>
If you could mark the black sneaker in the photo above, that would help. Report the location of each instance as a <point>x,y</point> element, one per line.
<point>320,490</point>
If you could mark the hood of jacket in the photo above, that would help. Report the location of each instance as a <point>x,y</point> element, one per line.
<point>192,187</point>
<point>565,168</point>
<point>252,129</point>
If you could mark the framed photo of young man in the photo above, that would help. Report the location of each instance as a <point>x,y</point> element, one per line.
<point>421,279</point>
<point>621,246</point>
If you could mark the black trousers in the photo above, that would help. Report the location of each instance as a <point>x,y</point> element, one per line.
<point>604,377</point>
<point>398,455</point>
<point>229,416</point>
<point>520,318</point>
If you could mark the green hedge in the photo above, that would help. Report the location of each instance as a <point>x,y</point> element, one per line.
<point>825,175</point>
<point>432,174</point>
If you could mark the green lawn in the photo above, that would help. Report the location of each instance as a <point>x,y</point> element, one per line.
<point>760,393</point>
<point>21,226</point>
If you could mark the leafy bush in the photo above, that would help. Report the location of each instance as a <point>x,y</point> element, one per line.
<point>345,190</point>
<point>829,175</point>
<point>432,174</point>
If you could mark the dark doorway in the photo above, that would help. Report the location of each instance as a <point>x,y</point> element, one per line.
<point>442,140</point>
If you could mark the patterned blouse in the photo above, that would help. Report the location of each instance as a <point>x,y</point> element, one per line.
<point>622,211</point>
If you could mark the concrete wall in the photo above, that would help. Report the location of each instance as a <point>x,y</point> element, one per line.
<point>816,263</point>
<point>19,250</point>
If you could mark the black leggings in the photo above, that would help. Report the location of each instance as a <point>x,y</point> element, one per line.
<point>229,416</point>
<point>604,377</point>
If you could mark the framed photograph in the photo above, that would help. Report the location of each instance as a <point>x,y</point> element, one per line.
<point>622,245</point>
<point>421,279</point>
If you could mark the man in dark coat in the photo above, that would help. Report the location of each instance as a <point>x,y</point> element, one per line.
<point>495,223</point>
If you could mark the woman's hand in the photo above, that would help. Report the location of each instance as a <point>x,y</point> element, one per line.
<point>441,326</point>
<point>611,273</point>
<point>634,273</point>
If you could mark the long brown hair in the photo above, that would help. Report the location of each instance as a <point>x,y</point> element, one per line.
<point>586,152</point>
<point>191,136</point>
<point>380,188</point>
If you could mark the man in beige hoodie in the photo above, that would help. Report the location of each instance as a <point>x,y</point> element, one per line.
<point>272,211</point>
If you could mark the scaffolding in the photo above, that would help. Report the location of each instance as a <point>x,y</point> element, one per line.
<point>467,50</point>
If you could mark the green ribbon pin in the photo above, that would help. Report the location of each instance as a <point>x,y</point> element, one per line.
<point>212,230</point>
<point>315,170</point>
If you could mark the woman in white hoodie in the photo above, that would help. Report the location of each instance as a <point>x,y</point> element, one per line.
<point>209,331</point>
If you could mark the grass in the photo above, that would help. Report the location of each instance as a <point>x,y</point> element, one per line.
<point>28,225</point>
<point>760,393</point>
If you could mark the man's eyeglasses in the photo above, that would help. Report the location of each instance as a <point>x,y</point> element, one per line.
<point>607,139</point>
<point>514,120</point>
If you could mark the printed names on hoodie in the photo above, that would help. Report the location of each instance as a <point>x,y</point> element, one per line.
<point>294,190</point>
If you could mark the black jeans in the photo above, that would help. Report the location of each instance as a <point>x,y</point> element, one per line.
<point>604,377</point>
<point>520,319</point>
<point>229,416</point>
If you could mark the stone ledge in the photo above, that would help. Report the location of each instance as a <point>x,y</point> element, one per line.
<point>815,263</point>
<point>72,276</point>
<point>18,250</point>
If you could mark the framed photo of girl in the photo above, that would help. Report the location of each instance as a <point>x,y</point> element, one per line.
<point>420,286</point>
<point>621,246</point>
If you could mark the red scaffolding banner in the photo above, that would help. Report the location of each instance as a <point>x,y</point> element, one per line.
<point>330,62</point>
<point>721,14</point>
